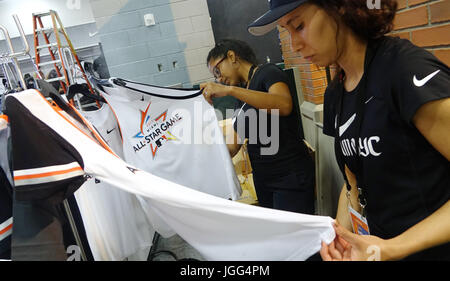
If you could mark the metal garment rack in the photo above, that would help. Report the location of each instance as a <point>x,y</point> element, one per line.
<point>11,69</point>
<point>14,73</point>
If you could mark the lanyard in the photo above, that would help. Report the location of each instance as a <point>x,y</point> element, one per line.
<point>360,109</point>
<point>250,75</point>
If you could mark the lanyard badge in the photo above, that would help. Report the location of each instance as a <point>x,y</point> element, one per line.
<point>359,222</point>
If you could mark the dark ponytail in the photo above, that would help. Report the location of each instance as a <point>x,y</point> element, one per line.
<point>240,48</point>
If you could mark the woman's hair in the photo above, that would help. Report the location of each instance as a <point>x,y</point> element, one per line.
<point>368,23</point>
<point>240,48</point>
<point>365,21</point>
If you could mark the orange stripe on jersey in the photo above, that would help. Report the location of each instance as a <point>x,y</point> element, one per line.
<point>57,109</point>
<point>43,175</point>
<point>4,117</point>
<point>115,115</point>
<point>4,230</point>
<point>93,131</point>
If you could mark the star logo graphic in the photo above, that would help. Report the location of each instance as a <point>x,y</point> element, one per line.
<point>155,131</point>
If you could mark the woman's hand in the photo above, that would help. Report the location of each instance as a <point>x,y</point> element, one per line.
<point>214,90</point>
<point>348,246</point>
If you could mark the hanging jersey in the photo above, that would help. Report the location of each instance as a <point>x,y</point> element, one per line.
<point>173,134</point>
<point>115,223</point>
<point>38,172</point>
<point>105,122</point>
<point>5,133</point>
<point>42,180</point>
<point>5,212</point>
<point>6,219</point>
<point>219,229</point>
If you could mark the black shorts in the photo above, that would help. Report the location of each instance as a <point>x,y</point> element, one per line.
<point>293,191</point>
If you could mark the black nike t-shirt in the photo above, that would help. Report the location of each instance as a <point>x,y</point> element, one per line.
<point>267,157</point>
<point>405,178</point>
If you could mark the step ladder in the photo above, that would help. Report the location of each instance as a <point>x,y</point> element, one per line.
<point>63,57</point>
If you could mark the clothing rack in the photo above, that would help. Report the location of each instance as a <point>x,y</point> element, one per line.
<point>10,67</point>
<point>11,57</point>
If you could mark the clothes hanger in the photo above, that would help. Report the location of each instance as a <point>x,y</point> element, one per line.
<point>83,89</point>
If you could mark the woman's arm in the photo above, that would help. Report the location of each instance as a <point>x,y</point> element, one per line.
<point>432,231</point>
<point>433,121</point>
<point>278,96</point>
<point>232,139</point>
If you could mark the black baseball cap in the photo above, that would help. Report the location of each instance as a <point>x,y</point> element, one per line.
<point>268,21</point>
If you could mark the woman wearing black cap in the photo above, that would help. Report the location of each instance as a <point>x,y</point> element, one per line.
<point>389,111</point>
<point>283,171</point>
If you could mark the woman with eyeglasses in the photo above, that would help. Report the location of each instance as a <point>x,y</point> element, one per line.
<point>389,111</point>
<point>284,176</point>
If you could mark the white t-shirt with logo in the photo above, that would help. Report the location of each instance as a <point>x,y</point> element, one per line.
<point>173,134</point>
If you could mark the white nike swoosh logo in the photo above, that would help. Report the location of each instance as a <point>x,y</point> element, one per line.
<point>369,99</point>
<point>347,124</point>
<point>420,83</point>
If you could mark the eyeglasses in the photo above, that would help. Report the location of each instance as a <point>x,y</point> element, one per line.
<point>216,71</point>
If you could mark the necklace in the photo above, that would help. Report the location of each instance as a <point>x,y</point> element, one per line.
<point>250,74</point>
